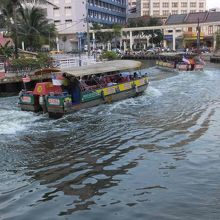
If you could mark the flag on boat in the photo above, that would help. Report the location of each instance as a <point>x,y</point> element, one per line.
<point>185,60</point>
<point>26,79</point>
<point>57,80</point>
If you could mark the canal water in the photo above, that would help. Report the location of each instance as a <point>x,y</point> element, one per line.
<point>154,157</point>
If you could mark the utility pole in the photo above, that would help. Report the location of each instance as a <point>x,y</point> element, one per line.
<point>87,24</point>
<point>198,36</point>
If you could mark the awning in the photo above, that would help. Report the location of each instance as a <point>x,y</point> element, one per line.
<point>105,67</point>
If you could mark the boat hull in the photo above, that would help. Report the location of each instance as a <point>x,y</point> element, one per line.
<point>57,112</point>
<point>179,67</point>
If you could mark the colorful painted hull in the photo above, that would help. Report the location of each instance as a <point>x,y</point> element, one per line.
<point>59,105</point>
<point>179,67</point>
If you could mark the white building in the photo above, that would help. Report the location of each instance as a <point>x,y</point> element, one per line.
<point>69,17</point>
<point>163,8</point>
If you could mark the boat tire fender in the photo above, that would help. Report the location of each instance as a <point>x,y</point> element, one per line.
<point>102,95</point>
<point>41,100</point>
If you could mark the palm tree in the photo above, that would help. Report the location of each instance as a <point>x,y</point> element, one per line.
<point>33,27</point>
<point>9,9</point>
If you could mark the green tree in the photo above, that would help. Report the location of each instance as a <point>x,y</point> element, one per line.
<point>6,51</point>
<point>116,34</point>
<point>217,41</point>
<point>34,28</point>
<point>102,37</point>
<point>9,9</point>
<point>109,55</point>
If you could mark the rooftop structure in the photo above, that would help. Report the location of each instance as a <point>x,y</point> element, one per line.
<point>190,18</point>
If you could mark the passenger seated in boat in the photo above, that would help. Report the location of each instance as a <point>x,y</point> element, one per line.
<point>135,75</point>
<point>84,86</point>
<point>109,82</point>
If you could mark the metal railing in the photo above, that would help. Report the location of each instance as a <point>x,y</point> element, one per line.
<point>63,61</point>
<point>1,66</point>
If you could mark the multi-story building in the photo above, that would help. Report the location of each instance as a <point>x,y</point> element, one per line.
<point>70,17</point>
<point>186,37</point>
<point>164,8</point>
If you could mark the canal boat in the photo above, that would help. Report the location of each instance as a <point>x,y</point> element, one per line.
<point>182,63</point>
<point>180,66</point>
<point>85,87</point>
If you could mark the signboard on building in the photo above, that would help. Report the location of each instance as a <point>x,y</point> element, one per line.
<point>168,37</point>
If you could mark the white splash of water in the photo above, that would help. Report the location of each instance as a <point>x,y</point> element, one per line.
<point>13,121</point>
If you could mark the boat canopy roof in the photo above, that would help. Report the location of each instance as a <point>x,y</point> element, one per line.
<point>105,67</point>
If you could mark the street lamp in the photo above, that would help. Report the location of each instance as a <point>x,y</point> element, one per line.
<point>80,35</point>
<point>198,28</point>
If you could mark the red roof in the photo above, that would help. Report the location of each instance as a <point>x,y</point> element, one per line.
<point>4,40</point>
<point>45,88</point>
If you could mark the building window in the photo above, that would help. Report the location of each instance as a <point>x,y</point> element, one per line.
<point>156,4</point>
<point>175,4</point>
<point>201,4</point>
<point>56,12</point>
<point>183,11</point>
<point>184,4</point>
<point>67,1</point>
<point>192,4</point>
<point>174,12</point>
<point>192,11</point>
<point>165,4</point>
<point>68,23</point>
<point>68,11</point>
<point>165,12</point>
<point>156,12</point>
<point>210,29</point>
<point>145,12</point>
<point>145,5</point>
<point>57,22</point>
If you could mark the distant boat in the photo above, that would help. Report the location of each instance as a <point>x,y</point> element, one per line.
<point>182,63</point>
<point>85,87</point>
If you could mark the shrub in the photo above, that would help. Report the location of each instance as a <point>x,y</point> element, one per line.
<point>110,55</point>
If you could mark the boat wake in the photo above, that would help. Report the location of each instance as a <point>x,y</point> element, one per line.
<point>13,121</point>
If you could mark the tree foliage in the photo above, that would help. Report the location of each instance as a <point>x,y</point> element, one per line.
<point>6,51</point>
<point>11,11</point>
<point>110,55</point>
<point>104,37</point>
<point>34,28</point>
<point>24,63</point>
<point>217,41</point>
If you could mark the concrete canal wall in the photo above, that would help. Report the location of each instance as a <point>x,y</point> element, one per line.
<point>14,84</point>
<point>167,56</point>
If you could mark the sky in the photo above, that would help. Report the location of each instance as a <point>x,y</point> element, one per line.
<point>213,3</point>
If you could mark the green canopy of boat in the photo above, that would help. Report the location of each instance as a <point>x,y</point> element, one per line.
<point>105,67</point>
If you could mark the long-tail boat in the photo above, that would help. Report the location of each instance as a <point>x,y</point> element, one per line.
<point>85,87</point>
